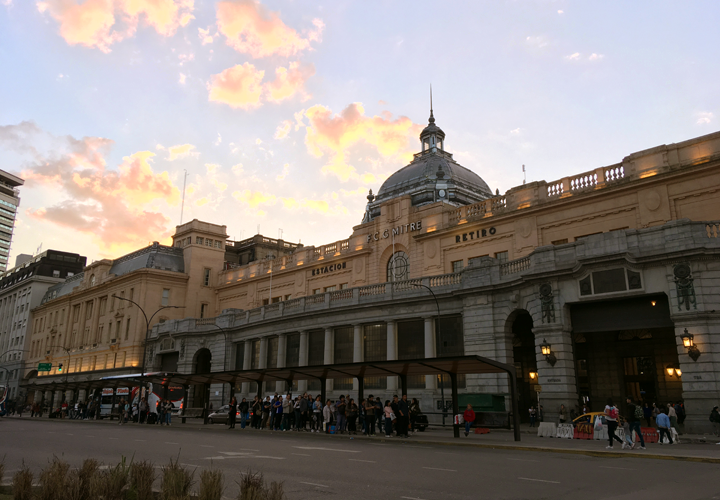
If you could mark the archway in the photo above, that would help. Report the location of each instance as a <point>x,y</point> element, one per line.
<point>202,364</point>
<point>523,340</point>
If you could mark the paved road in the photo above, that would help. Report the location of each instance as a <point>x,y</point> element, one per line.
<point>314,467</point>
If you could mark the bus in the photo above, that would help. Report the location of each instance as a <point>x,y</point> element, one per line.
<point>174,394</point>
<point>106,398</point>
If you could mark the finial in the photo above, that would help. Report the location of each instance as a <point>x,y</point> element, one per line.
<point>370,197</point>
<point>432,118</point>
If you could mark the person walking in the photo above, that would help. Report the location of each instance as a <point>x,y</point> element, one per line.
<point>469,418</point>
<point>672,415</point>
<point>389,417</point>
<point>370,416</point>
<point>633,415</point>
<point>340,408</point>
<point>232,412</point>
<point>663,424</point>
<point>533,413</point>
<point>628,441</point>
<point>611,417</point>
<point>352,415</point>
<point>327,416</point>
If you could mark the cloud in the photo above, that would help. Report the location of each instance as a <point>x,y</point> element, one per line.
<point>205,36</point>
<point>219,140</point>
<point>285,172</point>
<point>577,56</point>
<point>515,131</point>
<point>289,81</point>
<point>283,129</point>
<point>573,57</point>
<point>595,57</point>
<point>182,78</point>
<point>238,87</point>
<point>114,207</point>
<point>254,199</point>
<point>251,29</point>
<point>334,134</point>
<point>704,117</point>
<point>537,41</point>
<point>181,151</point>
<point>101,23</point>
<point>561,12</point>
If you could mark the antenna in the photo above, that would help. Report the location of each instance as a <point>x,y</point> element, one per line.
<point>524,175</point>
<point>182,206</point>
<point>258,232</point>
<point>280,232</point>
<point>431,110</point>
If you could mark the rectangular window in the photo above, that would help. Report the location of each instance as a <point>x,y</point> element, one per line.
<point>208,242</point>
<point>457,266</point>
<point>206,277</point>
<point>239,355</point>
<point>330,288</point>
<point>502,256</point>
<point>316,347</point>
<point>203,310</point>
<point>255,356</point>
<point>76,314</point>
<point>103,306</point>
<point>198,240</point>
<point>343,286</point>
<point>449,336</point>
<point>317,291</point>
<point>218,244</point>
<point>375,342</point>
<point>165,297</point>
<point>56,273</point>
<point>272,350</point>
<point>117,330</point>
<point>560,242</point>
<point>127,329</point>
<point>344,343</point>
<point>132,294</point>
<point>292,352</point>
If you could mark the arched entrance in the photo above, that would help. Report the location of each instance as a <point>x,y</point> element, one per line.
<point>523,340</point>
<point>202,364</point>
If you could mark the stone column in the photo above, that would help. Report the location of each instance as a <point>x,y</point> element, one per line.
<point>263,353</point>
<point>558,382</point>
<point>282,348</point>
<point>392,382</point>
<point>303,361</point>
<point>245,388</point>
<point>357,350</point>
<point>430,380</point>
<point>329,351</point>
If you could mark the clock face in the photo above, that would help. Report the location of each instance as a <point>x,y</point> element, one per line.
<point>441,193</point>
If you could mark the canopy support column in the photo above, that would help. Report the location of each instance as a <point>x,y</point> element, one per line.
<point>403,385</point>
<point>323,390</point>
<point>361,389</point>
<point>184,403</point>
<point>456,409</point>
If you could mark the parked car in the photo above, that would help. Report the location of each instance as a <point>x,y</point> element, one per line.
<point>220,416</point>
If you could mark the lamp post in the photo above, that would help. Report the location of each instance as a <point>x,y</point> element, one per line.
<point>442,381</point>
<point>147,323</point>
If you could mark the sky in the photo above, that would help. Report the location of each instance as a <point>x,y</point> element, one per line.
<point>284,113</point>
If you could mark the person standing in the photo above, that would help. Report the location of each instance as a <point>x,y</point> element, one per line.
<point>143,408</point>
<point>680,410</point>
<point>404,417</point>
<point>611,417</point>
<point>672,415</point>
<point>340,408</point>
<point>232,412</point>
<point>414,412</point>
<point>352,415</point>
<point>663,424</point>
<point>244,408</point>
<point>317,410</point>
<point>633,415</point>
<point>395,406</point>
<point>302,413</point>
<point>655,412</point>
<point>469,418</point>
<point>389,417</point>
<point>287,406</point>
<point>277,412</point>
<point>647,413</point>
<point>370,416</point>
<point>168,411</point>
<point>327,416</point>
<point>121,412</point>
<point>562,414</point>
<point>533,413</point>
<point>256,413</point>
<point>266,410</point>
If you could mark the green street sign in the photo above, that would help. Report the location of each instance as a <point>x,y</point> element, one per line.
<point>44,367</point>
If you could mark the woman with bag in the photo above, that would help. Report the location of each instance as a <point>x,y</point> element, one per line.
<point>389,418</point>
<point>611,417</point>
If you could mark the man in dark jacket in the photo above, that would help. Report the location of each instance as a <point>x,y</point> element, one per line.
<point>404,417</point>
<point>301,416</point>
<point>633,414</point>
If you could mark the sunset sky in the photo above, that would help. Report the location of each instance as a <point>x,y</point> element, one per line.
<point>285,112</point>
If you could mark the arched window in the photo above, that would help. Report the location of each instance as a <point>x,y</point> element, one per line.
<point>92,280</point>
<point>398,268</point>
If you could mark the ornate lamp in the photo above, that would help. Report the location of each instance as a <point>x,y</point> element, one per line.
<point>670,370</point>
<point>547,352</point>
<point>533,375</point>
<point>689,344</point>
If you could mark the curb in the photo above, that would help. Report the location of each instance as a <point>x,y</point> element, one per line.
<point>493,446</point>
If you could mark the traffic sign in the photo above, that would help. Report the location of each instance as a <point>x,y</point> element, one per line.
<point>538,388</point>
<point>44,367</point>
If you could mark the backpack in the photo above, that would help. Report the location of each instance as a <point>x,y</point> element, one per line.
<point>639,412</point>
<point>613,413</point>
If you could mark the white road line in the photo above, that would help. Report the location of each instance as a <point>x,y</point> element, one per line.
<point>168,442</point>
<point>89,436</point>
<point>425,447</point>
<point>538,480</point>
<point>411,498</point>
<point>315,484</point>
<point>140,440</point>
<point>300,455</point>
<point>68,434</point>
<point>236,452</point>
<point>366,461</point>
<point>324,449</point>
<point>521,460</point>
<point>206,446</point>
<point>620,468</point>
<point>435,468</point>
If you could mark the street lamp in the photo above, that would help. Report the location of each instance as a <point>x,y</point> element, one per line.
<point>533,376</point>
<point>689,344</point>
<point>547,352</point>
<point>437,331</point>
<point>147,322</point>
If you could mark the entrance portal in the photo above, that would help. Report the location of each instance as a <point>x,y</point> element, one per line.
<point>524,359</point>
<point>202,364</point>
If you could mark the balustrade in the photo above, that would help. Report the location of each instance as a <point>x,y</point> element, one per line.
<point>514,266</point>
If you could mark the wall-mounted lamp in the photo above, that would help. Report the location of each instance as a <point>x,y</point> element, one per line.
<point>673,370</point>
<point>533,375</point>
<point>547,352</point>
<point>689,344</point>
<point>653,303</point>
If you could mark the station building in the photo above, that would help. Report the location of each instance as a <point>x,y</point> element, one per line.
<point>598,285</point>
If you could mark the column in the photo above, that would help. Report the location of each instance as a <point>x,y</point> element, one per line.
<point>245,388</point>
<point>392,382</point>
<point>263,353</point>
<point>282,348</point>
<point>357,350</point>
<point>303,361</point>
<point>328,357</point>
<point>558,382</point>
<point>430,380</point>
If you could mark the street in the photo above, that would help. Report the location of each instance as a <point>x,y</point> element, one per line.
<point>313,466</point>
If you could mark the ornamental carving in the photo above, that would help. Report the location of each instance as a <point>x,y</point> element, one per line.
<point>547,303</point>
<point>684,287</point>
<point>182,349</point>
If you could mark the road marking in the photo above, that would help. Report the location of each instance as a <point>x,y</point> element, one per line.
<point>366,461</point>
<point>114,438</point>
<point>234,452</point>
<point>621,468</point>
<point>411,498</point>
<point>521,460</point>
<point>140,440</point>
<point>435,468</point>
<point>538,480</point>
<point>425,447</point>
<point>221,457</point>
<point>89,436</point>
<point>168,442</point>
<point>68,434</point>
<point>324,449</point>
<point>206,446</point>
<point>300,454</point>
<point>315,484</point>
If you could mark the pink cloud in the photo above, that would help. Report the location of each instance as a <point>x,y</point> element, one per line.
<point>252,29</point>
<point>290,81</point>
<point>238,87</point>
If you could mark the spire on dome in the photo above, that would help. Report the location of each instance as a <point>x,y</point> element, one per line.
<point>432,136</point>
<point>432,118</point>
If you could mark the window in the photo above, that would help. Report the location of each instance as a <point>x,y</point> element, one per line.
<point>127,329</point>
<point>344,344</point>
<point>411,345</point>
<point>375,342</point>
<point>330,288</point>
<point>117,329</point>
<point>316,347</point>
<point>398,268</point>
<point>76,314</point>
<point>203,310</point>
<point>255,356</point>
<point>206,277</point>
<point>198,240</point>
<point>103,306</point>
<point>610,280</point>
<point>56,273</point>
<point>457,266</point>
<point>272,350</point>
<point>317,291</point>
<point>132,294</point>
<point>208,242</point>
<point>88,309</point>
<point>240,356</point>
<point>502,256</point>
<point>165,297</point>
<point>70,274</point>
<point>343,286</point>
<point>560,242</point>
<point>292,352</point>
<point>92,280</point>
<point>218,244</point>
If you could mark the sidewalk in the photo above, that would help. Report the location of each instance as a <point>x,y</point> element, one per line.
<point>693,448</point>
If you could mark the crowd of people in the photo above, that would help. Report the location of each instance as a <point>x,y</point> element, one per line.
<point>311,414</point>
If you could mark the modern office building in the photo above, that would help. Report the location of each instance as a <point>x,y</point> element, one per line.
<point>9,202</point>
